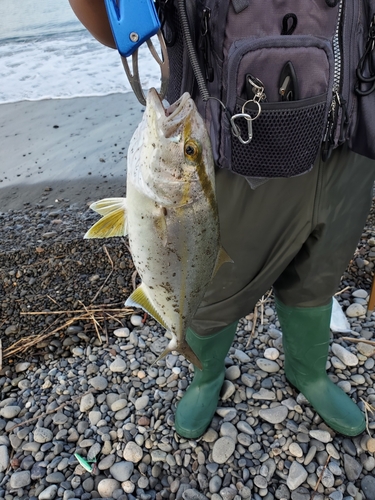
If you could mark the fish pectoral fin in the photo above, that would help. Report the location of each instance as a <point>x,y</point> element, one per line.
<point>108,205</point>
<point>112,224</point>
<point>183,348</point>
<point>140,299</point>
<point>222,258</point>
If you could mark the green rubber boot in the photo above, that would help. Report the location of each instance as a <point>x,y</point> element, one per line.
<point>306,336</point>
<point>197,407</point>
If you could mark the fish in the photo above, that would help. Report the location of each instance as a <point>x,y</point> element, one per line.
<point>170,215</point>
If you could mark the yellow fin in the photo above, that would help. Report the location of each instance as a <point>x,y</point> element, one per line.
<point>222,258</point>
<point>112,224</point>
<point>108,205</point>
<point>139,298</point>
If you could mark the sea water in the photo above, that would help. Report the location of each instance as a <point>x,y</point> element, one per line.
<point>46,53</point>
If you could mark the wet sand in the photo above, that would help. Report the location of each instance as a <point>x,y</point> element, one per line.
<point>64,151</point>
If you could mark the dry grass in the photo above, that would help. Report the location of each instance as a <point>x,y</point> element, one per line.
<point>97,315</point>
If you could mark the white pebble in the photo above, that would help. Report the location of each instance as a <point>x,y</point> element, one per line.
<point>355,310</point>
<point>360,294</point>
<point>267,365</point>
<point>118,365</point>
<point>271,353</point>
<point>121,332</point>
<point>136,320</point>
<point>346,356</point>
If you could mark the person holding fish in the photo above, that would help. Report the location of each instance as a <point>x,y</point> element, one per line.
<point>294,233</point>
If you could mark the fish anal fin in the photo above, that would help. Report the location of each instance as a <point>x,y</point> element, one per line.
<point>140,299</point>
<point>222,258</point>
<point>110,225</point>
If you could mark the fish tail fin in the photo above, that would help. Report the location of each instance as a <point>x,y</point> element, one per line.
<point>184,349</point>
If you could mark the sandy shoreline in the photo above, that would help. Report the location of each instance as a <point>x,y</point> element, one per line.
<point>65,149</point>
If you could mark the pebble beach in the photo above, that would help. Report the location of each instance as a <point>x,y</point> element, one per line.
<point>77,373</point>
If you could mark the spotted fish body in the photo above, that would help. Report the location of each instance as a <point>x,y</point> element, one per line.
<point>170,215</point>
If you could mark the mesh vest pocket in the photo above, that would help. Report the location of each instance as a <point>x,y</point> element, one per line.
<point>286,138</point>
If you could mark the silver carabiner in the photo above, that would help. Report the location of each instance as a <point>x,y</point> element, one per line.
<point>236,130</point>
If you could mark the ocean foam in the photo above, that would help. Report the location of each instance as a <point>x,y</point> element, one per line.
<point>66,66</point>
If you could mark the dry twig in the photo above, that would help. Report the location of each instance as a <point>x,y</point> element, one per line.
<point>356,341</point>
<point>368,408</point>
<point>342,291</point>
<point>94,314</point>
<point>320,477</point>
<point>255,317</point>
<point>48,412</point>
<point>107,278</point>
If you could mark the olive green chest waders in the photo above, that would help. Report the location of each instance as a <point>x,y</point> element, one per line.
<point>297,234</point>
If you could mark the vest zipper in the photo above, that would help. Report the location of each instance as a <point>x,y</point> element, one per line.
<point>205,44</point>
<point>329,135</point>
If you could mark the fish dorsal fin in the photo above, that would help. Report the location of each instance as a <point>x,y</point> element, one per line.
<point>140,299</point>
<point>108,205</point>
<point>112,224</point>
<point>222,258</point>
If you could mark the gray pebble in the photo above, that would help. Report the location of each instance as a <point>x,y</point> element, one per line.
<point>122,471</point>
<point>274,415</point>
<point>49,493</point>
<point>223,449</point>
<point>368,487</point>
<point>20,479</point>
<point>297,475</point>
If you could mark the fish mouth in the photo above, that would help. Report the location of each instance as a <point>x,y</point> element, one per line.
<point>170,118</point>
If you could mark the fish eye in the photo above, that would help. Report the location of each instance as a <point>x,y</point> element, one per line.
<point>191,150</point>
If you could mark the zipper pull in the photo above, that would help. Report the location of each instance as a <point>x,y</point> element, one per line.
<point>329,136</point>
<point>205,44</point>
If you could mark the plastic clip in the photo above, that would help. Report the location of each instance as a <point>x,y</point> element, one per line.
<point>134,22</point>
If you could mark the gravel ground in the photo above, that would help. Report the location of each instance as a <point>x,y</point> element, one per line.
<point>77,378</point>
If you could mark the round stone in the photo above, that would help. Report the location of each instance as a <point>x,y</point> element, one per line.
<point>22,367</point>
<point>10,412</point>
<point>367,350</point>
<point>87,402</point>
<point>42,435</point>
<point>141,402</point>
<point>274,415</point>
<point>371,445</point>
<point>344,355</point>
<point>271,353</point>
<point>4,458</point>
<point>223,449</point>
<point>20,479</point>
<point>232,373</point>
<point>121,332</point>
<point>99,383</point>
<point>319,435</point>
<point>106,487</point>
<point>49,493</point>
<point>136,320</point>
<point>295,450</point>
<point>368,487</point>
<point>118,365</point>
<point>297,475</point>
<point>132,453</point>
<point>122,471</point>
<point>267,365</point>
<point>355,310</point>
